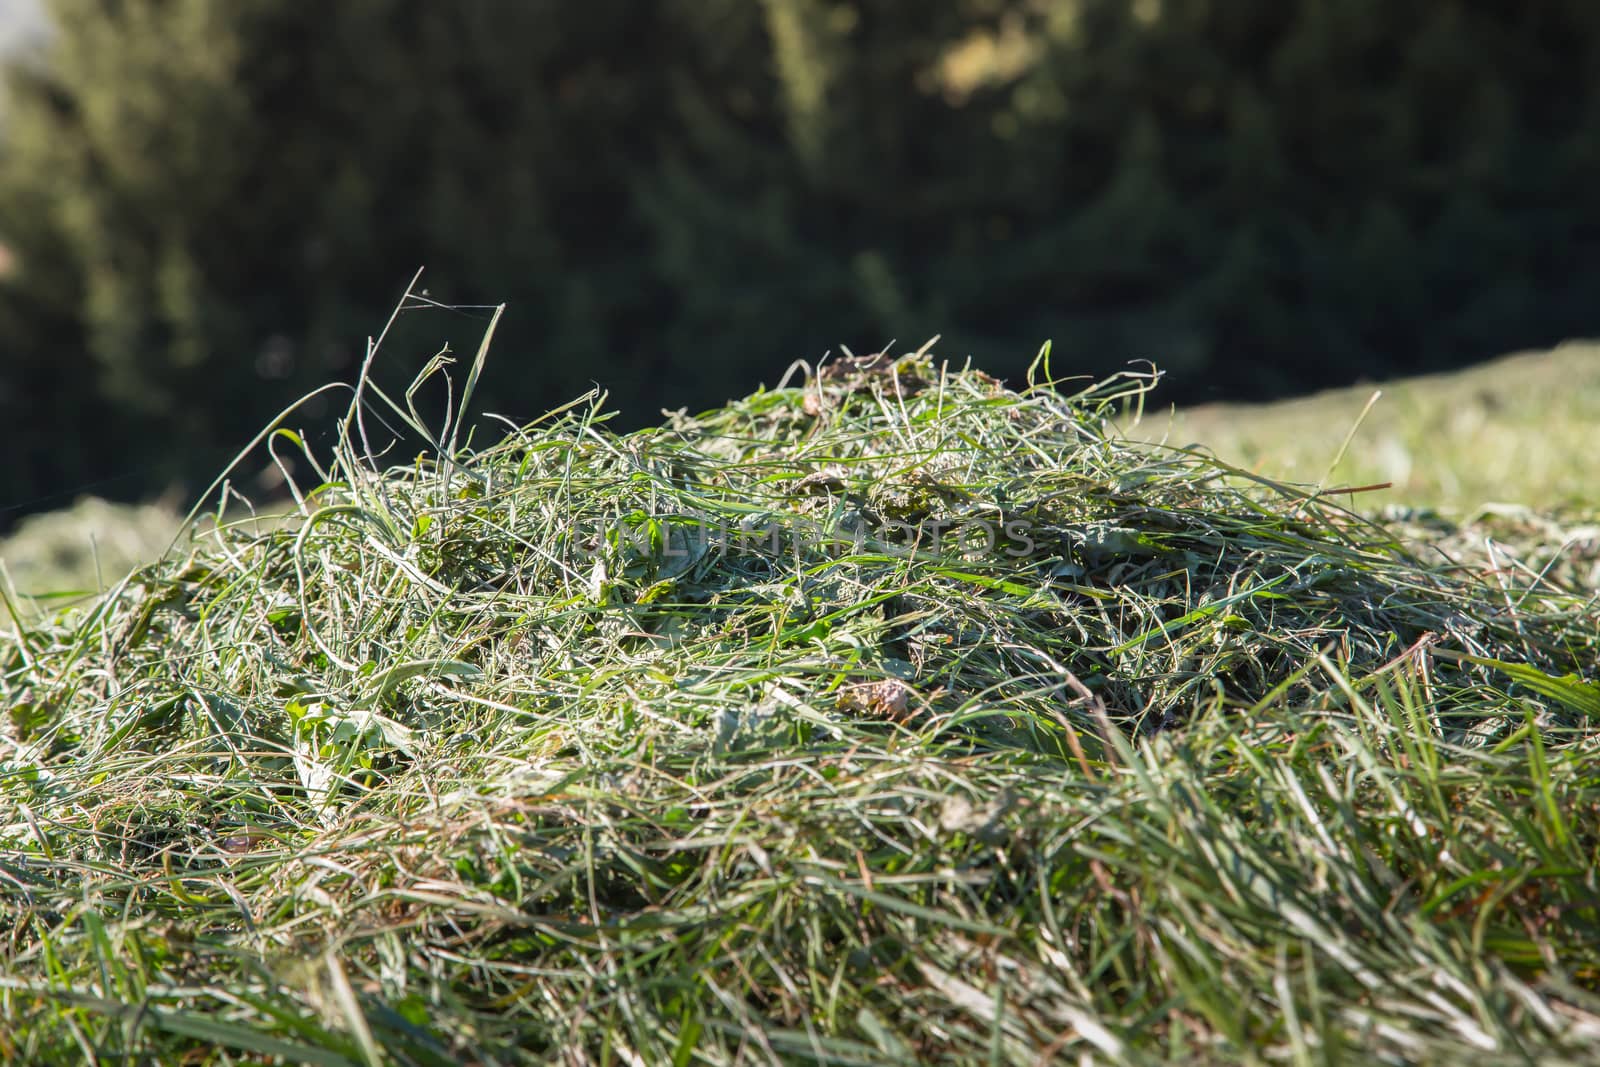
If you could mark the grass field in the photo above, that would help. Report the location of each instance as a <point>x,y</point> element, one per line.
<point>1518,430</point>
<point>891,718</point>
<point>63,556</point>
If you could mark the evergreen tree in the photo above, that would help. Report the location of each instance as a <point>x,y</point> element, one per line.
<point>210,205</point>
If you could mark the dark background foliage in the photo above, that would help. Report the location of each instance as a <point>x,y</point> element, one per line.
<point>207,207</point>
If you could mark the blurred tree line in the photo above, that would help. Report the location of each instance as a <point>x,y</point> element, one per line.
<point>206,206</point>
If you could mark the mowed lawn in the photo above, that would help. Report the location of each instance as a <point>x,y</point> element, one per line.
<point>1519,430</point>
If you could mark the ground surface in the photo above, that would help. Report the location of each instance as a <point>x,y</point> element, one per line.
<point>1518,430</point>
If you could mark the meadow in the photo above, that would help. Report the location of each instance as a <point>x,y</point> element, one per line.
<point>1512,433</point>
<point>890,715</point>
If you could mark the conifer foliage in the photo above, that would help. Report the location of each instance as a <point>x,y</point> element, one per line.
<point>207,205</point>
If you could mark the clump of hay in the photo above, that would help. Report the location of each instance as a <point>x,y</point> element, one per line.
<point>855,720</point>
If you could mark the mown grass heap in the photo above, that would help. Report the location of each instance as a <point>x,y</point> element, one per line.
<point>897,717</point>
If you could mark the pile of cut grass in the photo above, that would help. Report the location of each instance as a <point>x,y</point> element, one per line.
<point>897,717</point>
